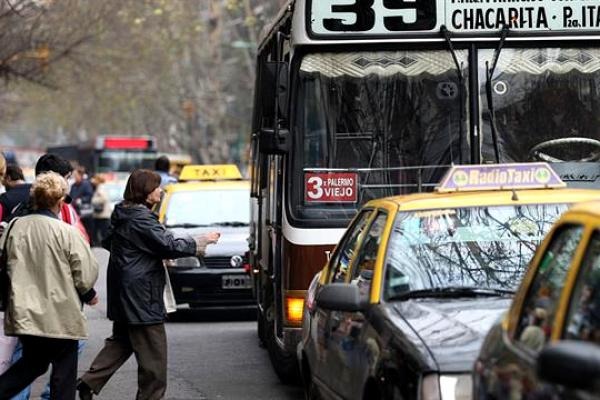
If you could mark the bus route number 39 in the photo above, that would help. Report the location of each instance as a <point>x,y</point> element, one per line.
<point>331,187</point>
<point>372,16</point>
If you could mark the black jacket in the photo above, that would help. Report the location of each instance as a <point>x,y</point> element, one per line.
<point>136,277</point>
<point>12,198</point>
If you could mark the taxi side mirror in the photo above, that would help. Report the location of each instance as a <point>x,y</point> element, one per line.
<point>572,364</point>
<point>341,297</point>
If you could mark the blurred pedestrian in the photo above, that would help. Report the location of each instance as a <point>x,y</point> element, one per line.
<point>163,167</point>
<point>17,191</point>
<point>138,243</point>
<point>82,193</point>
<point>52,271</point>
<point>47,162</point>
<point>2,168</point>
<point>101,204</point>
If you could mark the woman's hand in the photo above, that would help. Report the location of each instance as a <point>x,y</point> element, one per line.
<point>212,237</point>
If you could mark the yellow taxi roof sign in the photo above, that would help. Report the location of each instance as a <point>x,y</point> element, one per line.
<point>462,178</point>
<point>210,172</point>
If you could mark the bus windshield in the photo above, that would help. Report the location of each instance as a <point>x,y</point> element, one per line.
<point>485,247</point>
<point>379,111</point>
<point>540,95</point>
<point>125,161</point>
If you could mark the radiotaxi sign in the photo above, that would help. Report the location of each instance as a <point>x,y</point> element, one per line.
<point>331,187</point>
<point>500,177</point>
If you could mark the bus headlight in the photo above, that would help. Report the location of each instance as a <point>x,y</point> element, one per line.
<point>186,262</point>
<point>446,387</point>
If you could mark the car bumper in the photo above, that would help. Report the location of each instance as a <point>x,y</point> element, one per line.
<point>204,288</point>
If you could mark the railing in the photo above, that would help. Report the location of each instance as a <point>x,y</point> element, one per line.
<point>417,181</point>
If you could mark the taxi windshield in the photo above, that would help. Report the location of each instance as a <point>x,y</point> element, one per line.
<point>486,247</point>
<point>208,208</point>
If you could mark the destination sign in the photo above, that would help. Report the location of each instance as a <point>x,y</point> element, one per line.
<point>500,177</point>
<point>331,187</point>
<point>351,18</point>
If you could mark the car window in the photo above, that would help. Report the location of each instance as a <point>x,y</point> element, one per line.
<point>583,321</point>
<point>367,255</point>
<point>539,308</point>
<point>342,260</point>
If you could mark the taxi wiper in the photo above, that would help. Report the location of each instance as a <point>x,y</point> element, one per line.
<point>453,292</point>
<point>187,225</point>
<point>232,223</point>
<point>488,89</point>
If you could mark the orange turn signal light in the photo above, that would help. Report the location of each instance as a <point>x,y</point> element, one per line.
<point>294,308</point>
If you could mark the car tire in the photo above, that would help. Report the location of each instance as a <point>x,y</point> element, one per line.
<point>285,363</point>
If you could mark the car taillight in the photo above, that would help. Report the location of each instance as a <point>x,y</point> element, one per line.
<point>294,308</point>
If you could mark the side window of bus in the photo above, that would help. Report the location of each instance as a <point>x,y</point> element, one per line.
<point>364,267</point>
<point>342,259</point>
<point>583,321</point>
<point>540,305</point>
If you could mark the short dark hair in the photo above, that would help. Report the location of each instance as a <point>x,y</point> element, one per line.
<point>140,184</point>
<point>14,172</point>
<point>162,164</point>
<point>54,163</point>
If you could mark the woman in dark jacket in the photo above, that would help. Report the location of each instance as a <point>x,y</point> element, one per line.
<point>135,281</point>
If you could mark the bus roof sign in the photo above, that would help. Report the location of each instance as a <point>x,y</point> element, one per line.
<point>355,18</point>
<point>210,173</point>
<point>463,178</point>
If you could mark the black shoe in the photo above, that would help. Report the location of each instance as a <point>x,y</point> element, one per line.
<point>85,392</point>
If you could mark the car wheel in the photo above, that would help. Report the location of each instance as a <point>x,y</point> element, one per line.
<point>285,363</point>
<point>311,391</point>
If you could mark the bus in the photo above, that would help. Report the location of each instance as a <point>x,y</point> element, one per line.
<point>360,99</point>
<point>111,153</point>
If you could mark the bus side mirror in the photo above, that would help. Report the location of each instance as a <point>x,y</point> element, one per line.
<point>273,141</point>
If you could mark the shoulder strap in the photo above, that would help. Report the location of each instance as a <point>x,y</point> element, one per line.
<point>8,229</point>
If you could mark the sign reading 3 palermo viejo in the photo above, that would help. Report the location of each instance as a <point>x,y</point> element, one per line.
<point>401,17</point>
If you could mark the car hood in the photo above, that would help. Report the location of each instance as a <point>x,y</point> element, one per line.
<point>451,331</point>
<point>233,241</point>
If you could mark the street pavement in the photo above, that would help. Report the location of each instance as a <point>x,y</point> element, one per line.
<point>210,357</point>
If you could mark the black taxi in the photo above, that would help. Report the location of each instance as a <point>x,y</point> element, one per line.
<point>210,198</point>
<point>402,307</point>
<point>548,344</point>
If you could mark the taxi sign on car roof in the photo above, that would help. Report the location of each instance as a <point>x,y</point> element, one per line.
<point>463,178</point>
<point>210,173</point>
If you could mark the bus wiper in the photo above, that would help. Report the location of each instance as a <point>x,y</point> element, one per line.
<point>461,92</point>
<point>232,223</point>
<point>488,89</point>
<point>453,291</point>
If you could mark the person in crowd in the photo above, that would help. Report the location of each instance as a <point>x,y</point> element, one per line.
<point>52,271</point>
<point>163,167</point>
<point>82,193</point>
<point>138,243</point>
<point>17,191</point>
<point>2,167</point>
<point>47,162</point>
<point>101,204</point>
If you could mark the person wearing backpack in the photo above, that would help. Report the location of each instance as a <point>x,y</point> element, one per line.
<point>17,191</point>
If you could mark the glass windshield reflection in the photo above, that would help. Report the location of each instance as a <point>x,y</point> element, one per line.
<point>541,95</point>
<point>379,110</point>
<point>478,247</point>
<point>208,208</point>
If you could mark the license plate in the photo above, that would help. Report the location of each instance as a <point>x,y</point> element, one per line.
<point>236,282</point>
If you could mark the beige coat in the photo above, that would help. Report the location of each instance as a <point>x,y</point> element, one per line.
<point>100,198</point>
<point>50,265</point>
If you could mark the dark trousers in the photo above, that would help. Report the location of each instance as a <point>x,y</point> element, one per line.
<point>100,230</point>
<point>148,343</point>
<point>38,354</point>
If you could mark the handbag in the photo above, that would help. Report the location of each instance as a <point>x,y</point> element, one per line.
<point>4,278</point>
